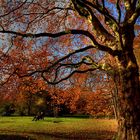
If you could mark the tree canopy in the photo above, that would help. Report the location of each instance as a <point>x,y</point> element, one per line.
<point>57,39</point>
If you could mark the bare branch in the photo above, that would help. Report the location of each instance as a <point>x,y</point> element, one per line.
<point>13,10</point>
<point>132,9</point>
<point>7,79</point>
<point>87,9</point>
<point>134,16</point>
<point>57,62</point>
<point>127,4</point>
<point>72,65</point>
<point>134,4</point>
<point>119,10</point>
<point>102,9</point>
<point>74,32</point>
<point>67,77</point>
<point>90,62</point>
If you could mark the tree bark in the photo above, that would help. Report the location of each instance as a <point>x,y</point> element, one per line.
<point>29,103</point>
<point>129,99</point>
<point>115,102</point>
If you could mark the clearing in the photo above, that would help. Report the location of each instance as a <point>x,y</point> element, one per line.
<point>57,128</point>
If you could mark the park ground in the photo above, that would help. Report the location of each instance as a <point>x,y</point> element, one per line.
<point>23,128</point>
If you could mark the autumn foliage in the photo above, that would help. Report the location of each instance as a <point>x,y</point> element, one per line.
<point>61,54</point>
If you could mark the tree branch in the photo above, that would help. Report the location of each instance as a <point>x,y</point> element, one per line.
<point>71,65</point>
<point>102,9</point>
<point>134,16</point>
<point>59,34</point>
<point>41,13</point>
<point>57,62</point>
<point>71,74</point>
<point>131,11</point>
<point>88,8</point>
<point>7,79</point>
<point>13,10</point>
<point>86,60</point>
<point>119,10</point>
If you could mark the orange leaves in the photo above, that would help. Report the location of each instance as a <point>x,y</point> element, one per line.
<point>89,96</point>
<point>32,85</point>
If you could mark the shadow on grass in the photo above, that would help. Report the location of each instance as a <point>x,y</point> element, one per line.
<point>99,135</point>
<point>14,137</point>
<point>54,121</point>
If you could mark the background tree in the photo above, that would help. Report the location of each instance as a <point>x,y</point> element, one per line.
<point>107,26</point>
<point>91,94</point>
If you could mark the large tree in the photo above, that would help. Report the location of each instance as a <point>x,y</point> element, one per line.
<point>79,26</point>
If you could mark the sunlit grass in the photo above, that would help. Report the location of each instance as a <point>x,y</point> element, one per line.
<point>59,127</point>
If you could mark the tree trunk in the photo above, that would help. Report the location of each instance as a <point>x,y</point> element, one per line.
<point>29,103</point>
<point>115,102</point>
<point>129,100</point>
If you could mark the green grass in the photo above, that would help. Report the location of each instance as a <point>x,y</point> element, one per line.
<point>59,128</point>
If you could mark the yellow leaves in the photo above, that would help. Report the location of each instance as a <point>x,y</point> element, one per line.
<point>127,4</point>
<point>131,19</point>
<point>40,101</point>
<point>137,53</point>
<point>90,19</point>
<point>88,59</point>
<point>131,65</point>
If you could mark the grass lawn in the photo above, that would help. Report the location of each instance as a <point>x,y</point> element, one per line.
<point>59,128</point>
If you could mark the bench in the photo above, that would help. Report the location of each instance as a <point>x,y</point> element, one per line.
<point>39,116</point>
